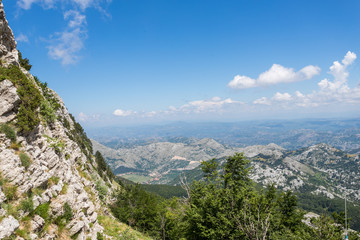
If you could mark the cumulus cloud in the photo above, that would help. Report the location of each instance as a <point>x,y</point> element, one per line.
<point>333,91</point>
<point>275,75</point>
<point>123,113</point>
<point>211,105</point>
<point>282,97</point>
<point>67,44</point>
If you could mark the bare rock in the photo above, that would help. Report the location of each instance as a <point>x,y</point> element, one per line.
<point>9,101</point>
<point>2,197</point>
<point>8,226</point>
<point>33,236</point>
<point>37,223</point>
<point>75,226</point>
<point>8,52</point>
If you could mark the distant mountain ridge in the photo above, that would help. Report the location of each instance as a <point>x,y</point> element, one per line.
<point>157,159</point>
<point>343,134</point>
<point>320,166</point>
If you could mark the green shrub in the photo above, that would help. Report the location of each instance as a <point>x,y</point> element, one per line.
<point>9,132</point>
<point>27,205</point>
<point>101,189</point>
<point>47,112</point>
<point>43,210</point>
<point>24,62</point>
<point>99,236</point>
<point>25,160</point>
<point>30,98</point>
<point>68,212</point>
<point>15,146</point>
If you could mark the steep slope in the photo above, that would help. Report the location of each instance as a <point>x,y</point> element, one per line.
<point>50,182</point>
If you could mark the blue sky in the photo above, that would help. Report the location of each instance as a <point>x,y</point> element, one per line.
<point>140,61</point>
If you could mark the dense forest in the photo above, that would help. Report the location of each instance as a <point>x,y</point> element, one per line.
<point>224,204</point>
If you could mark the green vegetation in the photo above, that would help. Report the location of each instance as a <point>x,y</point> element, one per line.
<point>47,112</point>
<point>10,191</point>
<point>137,178</point>
<point>27,205</point>
<point>102,189</point>
<point>9,132</point>
<point>165,191</point>
<point>321,204</point>
<point>24,62</point>
<point>25,160</point>
<point>53,181</point>
<point>224,204</point>
<point>55,143</point>
<point>30,97</point>
<point>118,230</point>
<point>65,218</point>
<point>43,211</point>
<point>79,136</point>
<point>102,168</point>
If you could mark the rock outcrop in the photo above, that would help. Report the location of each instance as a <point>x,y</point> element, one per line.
<point>8,52</point>
<point>48,174</point>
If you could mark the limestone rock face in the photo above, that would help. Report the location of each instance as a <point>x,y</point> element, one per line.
<point>9,101</point>
<point>37,223</point>
<point>8,52</point>
<point>49,165</point>
<point>8,226</point>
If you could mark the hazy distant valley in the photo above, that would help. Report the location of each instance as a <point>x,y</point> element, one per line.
<point>321,157</point>
<point>321,165</point>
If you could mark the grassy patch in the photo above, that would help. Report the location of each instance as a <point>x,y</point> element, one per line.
<point>10,191</point>
<point>64,189</point>
<point>113,228</point>
<point>25,160</point>
<point>137,178</point>
<point>43,211</point>
<point>9,132</point>
<point>53,181</point>
<point>27,205</point>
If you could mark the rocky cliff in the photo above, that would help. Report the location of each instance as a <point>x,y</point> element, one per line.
<point>50,184</point>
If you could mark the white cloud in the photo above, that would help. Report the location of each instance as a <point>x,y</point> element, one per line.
<point>83,117</point>
<point>275,75</point>
<point>123,113</point>
<point>241,82</point>
<point>282,97</point>
<point>66,45</point>
<point>75,18</point>
<point>330,92</point>
<point>212,105</point>
<point>262,101</point>
<point>22,38</point>
<point>26,4</point>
